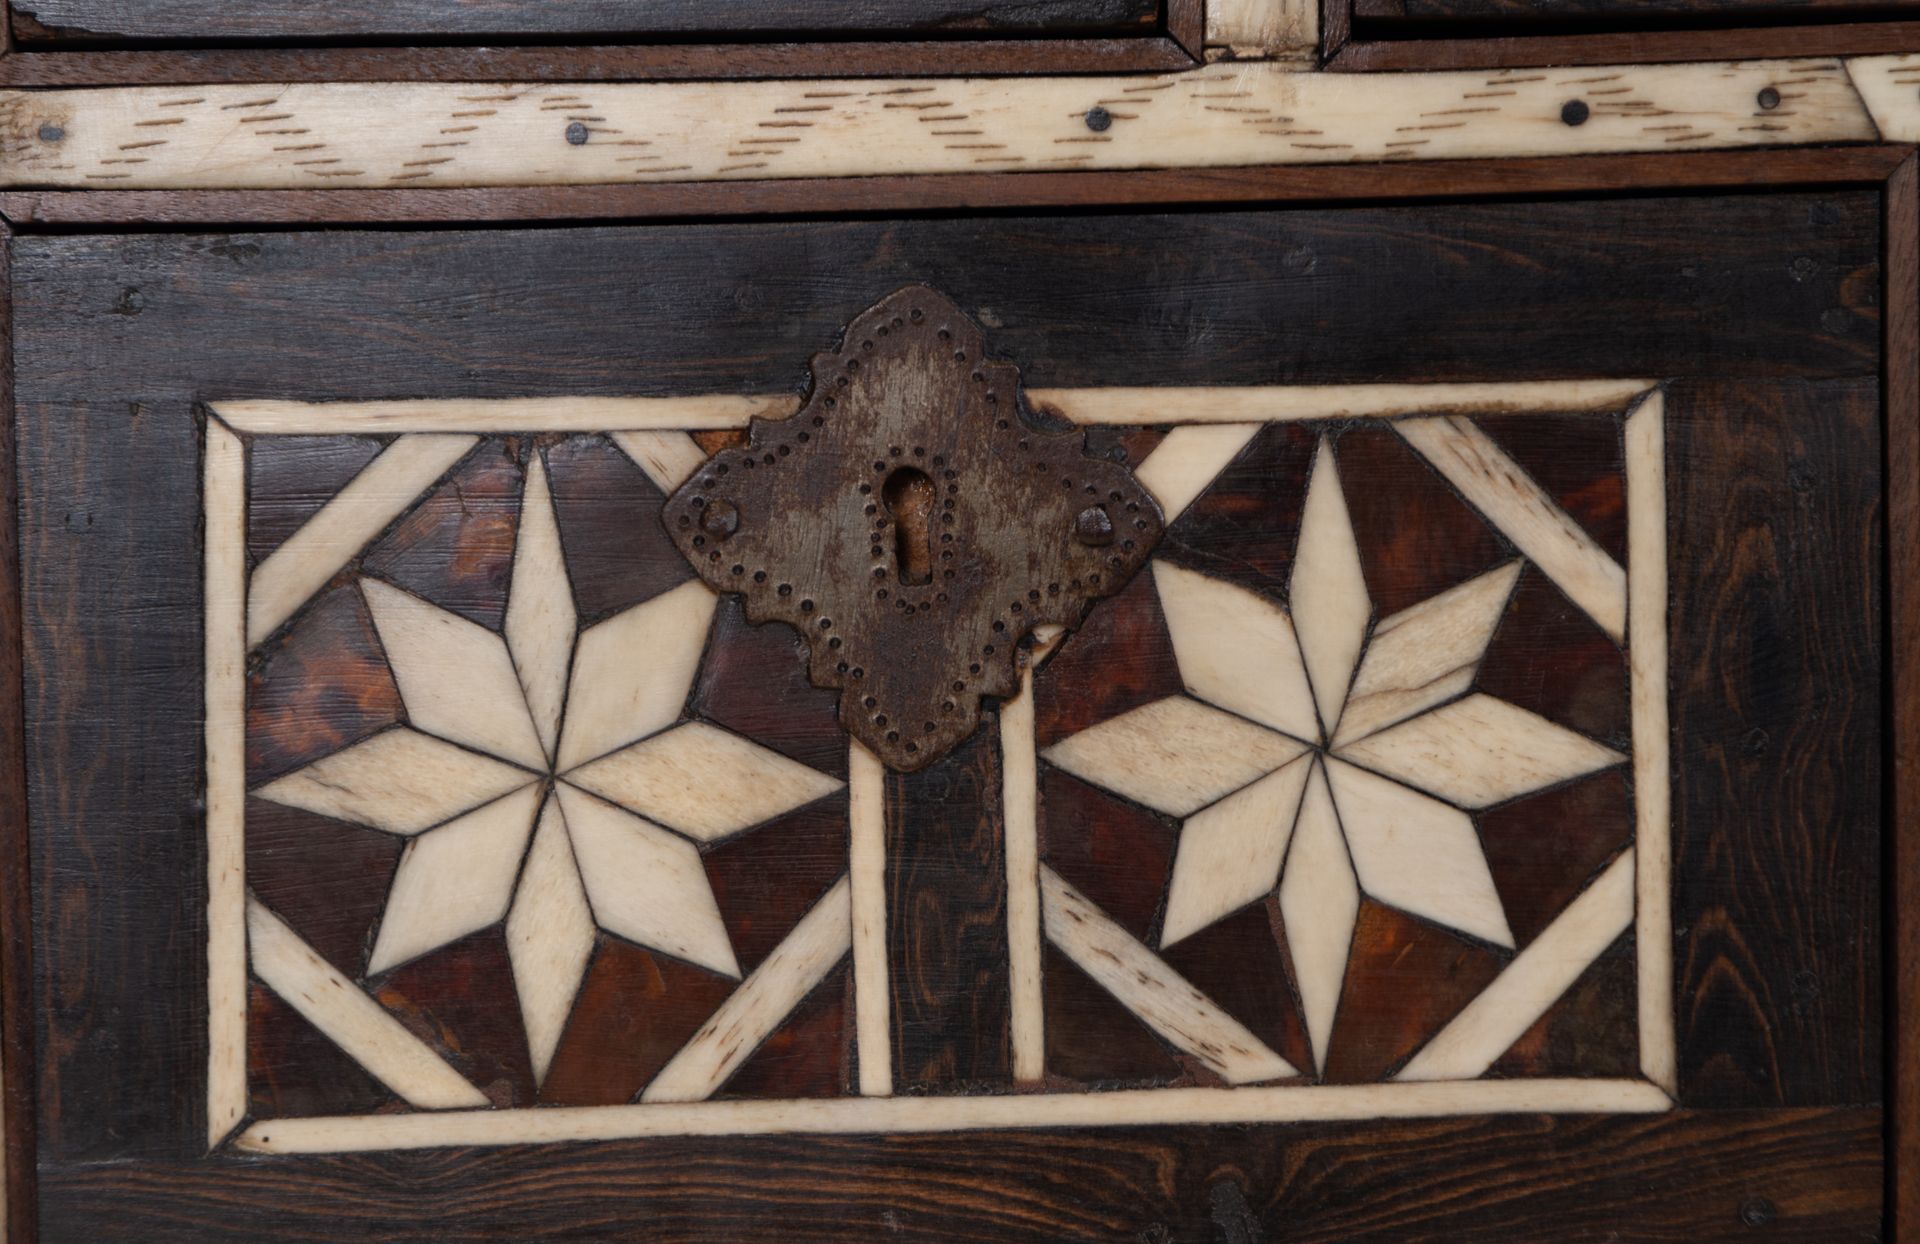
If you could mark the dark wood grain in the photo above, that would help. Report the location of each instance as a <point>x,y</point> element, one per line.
<point>1684,1177</point>
<point>455,546</point>
<point>652,61</point>
<point>1521,12</point>
<point>1281,295</point>
<point>618,555</point>
<point>1778,656</point>
<point>1118,854</point>
<point>177,21</point>
<point>18,990</point>
<point>1902,397</point>
<point>1405,979</point>
<point>634,1011</point>
<point>1371,54</point>
<point>1865,165</point>
<point>1416,537</point>
<point>1091,1039</point>
<point>290,477</point>
<point>948,976</point>
<point>1590,1030</point>
<point>1544,850</point>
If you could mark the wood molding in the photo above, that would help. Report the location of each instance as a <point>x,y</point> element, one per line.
<point>1650,47</point>
<point>1903,509</point>
<point>18,1113</point>
<point>661,62</point>
<point>430,135</point>
<point>32,210</point>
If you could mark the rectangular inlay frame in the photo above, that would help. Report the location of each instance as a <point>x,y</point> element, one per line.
<point>1641,604</point>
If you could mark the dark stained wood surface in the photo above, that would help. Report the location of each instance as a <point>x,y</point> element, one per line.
<point>1687,1177</point>
<point>1902,399</point>
<point>1866,165</point>
<point>1280,295</point>
<point>179,21</point>
<point>1521,12</point>
<point>1853,38</point>
<point>948,976</point>
<point>18,991</point>
<point>1777,662</point>
<point>1690,1176</point>
<point>654,62</point>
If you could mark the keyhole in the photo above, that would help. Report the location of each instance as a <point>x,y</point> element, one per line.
<point>908,495</point>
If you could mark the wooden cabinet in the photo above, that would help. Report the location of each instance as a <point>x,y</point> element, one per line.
<point>1248,653</point>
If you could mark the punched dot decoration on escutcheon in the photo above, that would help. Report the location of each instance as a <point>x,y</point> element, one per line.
<point>913,524</point>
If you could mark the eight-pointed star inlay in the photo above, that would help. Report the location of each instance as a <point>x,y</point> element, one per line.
<point>567,738</point>
<point>1328,755</point>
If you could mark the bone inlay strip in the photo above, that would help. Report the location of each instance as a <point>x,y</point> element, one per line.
<point>1205,404</point>
<point>1499,489</point>
<point>528,414</point>
<point>407,134</point>
<point>1258,403</point>
<point>1535,979</point>
<point>1290,1103</point>
<point>226,655</point>
<point>1020,805</point>
<point>357,513</point>
<point>761,1004</point>
<point>1890,87</point>
<point>1646,461</point>
<point>867,877</point>
<point>1145,985</point>
<point>668,458</point>
<point>350,1019</point>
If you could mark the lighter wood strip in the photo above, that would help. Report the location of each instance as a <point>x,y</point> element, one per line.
<point>668,458</point>
<point>362,1029</point>
<point>225,586</point>
<point>1020,806</point>
<point>867,880</point>
<point>1536,978</point>
<point>343,526</point>
<point>1281,29</point>
<point>1496,486</point>
<point>339,135</point>
<point>694,413</point>
<point>1153,991</point>
<point>761,1004</point>
<point>1646,464</point>
<point>847,1115</point>
<point>1101,405</point>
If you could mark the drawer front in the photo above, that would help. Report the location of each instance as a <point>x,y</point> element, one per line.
<point>1067,725</point>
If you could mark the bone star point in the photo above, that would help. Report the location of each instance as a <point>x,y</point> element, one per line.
<point>1479,751</point>
<point>646,883</point>
<point>1327,592</point>
<point>400,781</point>
<point>632,672</point>
<point>454,880</point>
<point>550,937</point>
<point>1319,902</point>
<point>703,781</point>
<point>1425,654</point>
<point>1413,852</point>
<point>1175,755</point>
<point>1230,853</point>
<point>541,617</point>
<point>1236,650</point>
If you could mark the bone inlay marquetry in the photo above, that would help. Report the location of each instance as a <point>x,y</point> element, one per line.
<point>456,134</point>
<point>633,802</point>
